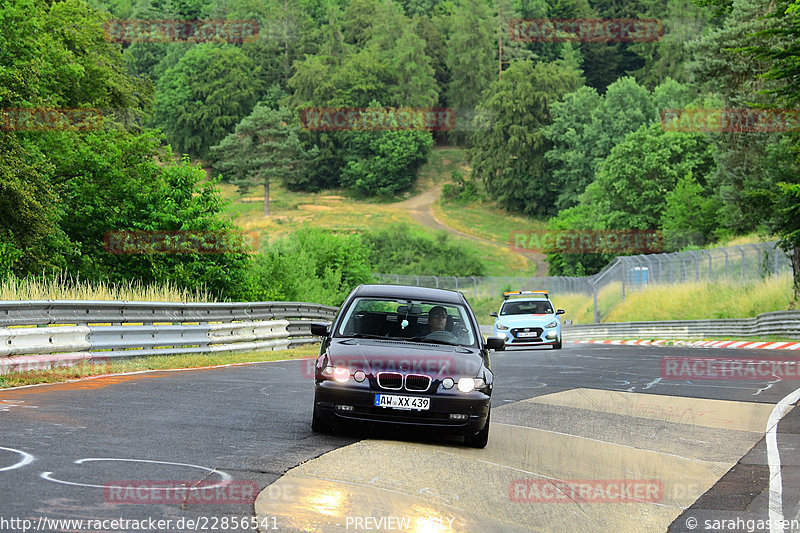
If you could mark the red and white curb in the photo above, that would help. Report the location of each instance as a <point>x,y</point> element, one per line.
<point>745,345</point>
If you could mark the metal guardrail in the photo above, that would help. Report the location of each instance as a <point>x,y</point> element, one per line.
<point>68,331</point>
<point>783,323</point>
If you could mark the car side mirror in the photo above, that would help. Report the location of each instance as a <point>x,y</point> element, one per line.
<point>319,330</point>
<point>493,313</point>
<point>560,312</point>
<point>495,343</point>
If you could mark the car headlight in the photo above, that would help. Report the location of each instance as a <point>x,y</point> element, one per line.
<point>470,384</point>
<point>448,383</point>
<point>341,374</point>
<point>552,324</point>
<point>501,326</point>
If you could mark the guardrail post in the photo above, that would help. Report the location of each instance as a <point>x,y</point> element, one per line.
<point>595,315</point>
<point>474,286</point>
<point>709,264</point>
<point>437,281</point>
<point>417,278</point>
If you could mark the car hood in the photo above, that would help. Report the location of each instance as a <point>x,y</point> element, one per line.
<point>374,355</point>
<point>526,320</point>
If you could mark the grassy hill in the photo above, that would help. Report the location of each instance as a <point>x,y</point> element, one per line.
<point>336,211</point>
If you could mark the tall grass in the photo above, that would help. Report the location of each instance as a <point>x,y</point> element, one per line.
<point>681,301</point>
<point>64,287</point>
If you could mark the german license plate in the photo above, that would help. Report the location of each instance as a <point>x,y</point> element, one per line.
<point>402,402</point>
<point>527,334</point>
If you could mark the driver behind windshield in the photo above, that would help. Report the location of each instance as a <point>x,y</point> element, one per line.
<point>437,323</point>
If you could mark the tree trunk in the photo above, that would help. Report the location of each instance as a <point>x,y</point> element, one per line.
<point>266,196</point>
<point>500,47</point>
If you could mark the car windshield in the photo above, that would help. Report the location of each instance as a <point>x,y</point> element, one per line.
<point>526,308</point>
<point>415,320</point>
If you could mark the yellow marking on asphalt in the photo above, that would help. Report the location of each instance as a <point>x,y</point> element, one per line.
<point>410,486</point>
<point>723,414</point>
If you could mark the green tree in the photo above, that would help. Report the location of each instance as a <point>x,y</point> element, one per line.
<point>586,127</point>
<point>264,147</point>
<point>30,237</point>
<point>632,183</point>
<point>471,62</point>
<point>204,96</point>
<point>631,189</point>
<point>690,215</point>
<point>508,156</point>
<point>415,85</point>
<point>572,157</point>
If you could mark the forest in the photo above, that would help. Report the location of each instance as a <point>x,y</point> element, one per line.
<point>566,130</point>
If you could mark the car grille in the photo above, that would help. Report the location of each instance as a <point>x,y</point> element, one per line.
<point>417,382</point>
<point>395,380</point>
<point>517,331</point>
<point>390,380</point>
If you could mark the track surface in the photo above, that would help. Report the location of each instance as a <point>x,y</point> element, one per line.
<point>587,412</point>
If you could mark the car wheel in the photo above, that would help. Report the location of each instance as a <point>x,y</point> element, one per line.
<point>480,438</point>
<point>557,346</point>
<point>318,424</point>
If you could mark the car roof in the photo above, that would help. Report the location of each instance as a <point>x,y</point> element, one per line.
<point>410,292</point>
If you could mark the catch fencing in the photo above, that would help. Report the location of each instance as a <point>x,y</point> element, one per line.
<point>63,333</point>
<point>737,264</point>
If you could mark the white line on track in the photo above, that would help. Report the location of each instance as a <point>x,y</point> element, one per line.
<point>774,460</point>
<point>226,478</point>
<point>26,459</point>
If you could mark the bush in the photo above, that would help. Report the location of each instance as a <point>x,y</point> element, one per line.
<point>461,191</point>
<point>396,249</point>
<point>311,265</point>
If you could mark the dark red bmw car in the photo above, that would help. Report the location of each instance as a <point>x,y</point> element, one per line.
<point>408,356</point>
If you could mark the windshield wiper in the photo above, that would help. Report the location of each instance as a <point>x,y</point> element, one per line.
<point>367,336</point>
<point>432,341</point>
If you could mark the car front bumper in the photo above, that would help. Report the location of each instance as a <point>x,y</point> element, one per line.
<point>475,404</point>
<point>546,337</point>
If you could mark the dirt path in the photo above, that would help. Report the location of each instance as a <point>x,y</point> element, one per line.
<point>421,209</point>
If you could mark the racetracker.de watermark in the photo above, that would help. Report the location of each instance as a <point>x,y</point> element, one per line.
<point>588,241</point>
<point>431,366</point>
<point>721,368</point>
<point>585,491</point>
<point>180,31</point>
<point>50,119</point>
<point>179,491</point>
<point>733,120</point>
<point>377,119</point>
<point>586,30</point>
<point>179,242</point>
<point>33,363</point>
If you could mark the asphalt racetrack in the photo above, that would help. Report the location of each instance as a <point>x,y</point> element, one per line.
<point>587,438</point>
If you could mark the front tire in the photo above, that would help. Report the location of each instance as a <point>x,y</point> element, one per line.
<point>481,438</point>
<point>557,346</point>
<point>318,424</point>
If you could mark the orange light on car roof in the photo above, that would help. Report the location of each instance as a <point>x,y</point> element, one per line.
<point>523,293</point>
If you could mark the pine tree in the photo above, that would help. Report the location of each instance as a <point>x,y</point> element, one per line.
<point>264,147</point>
